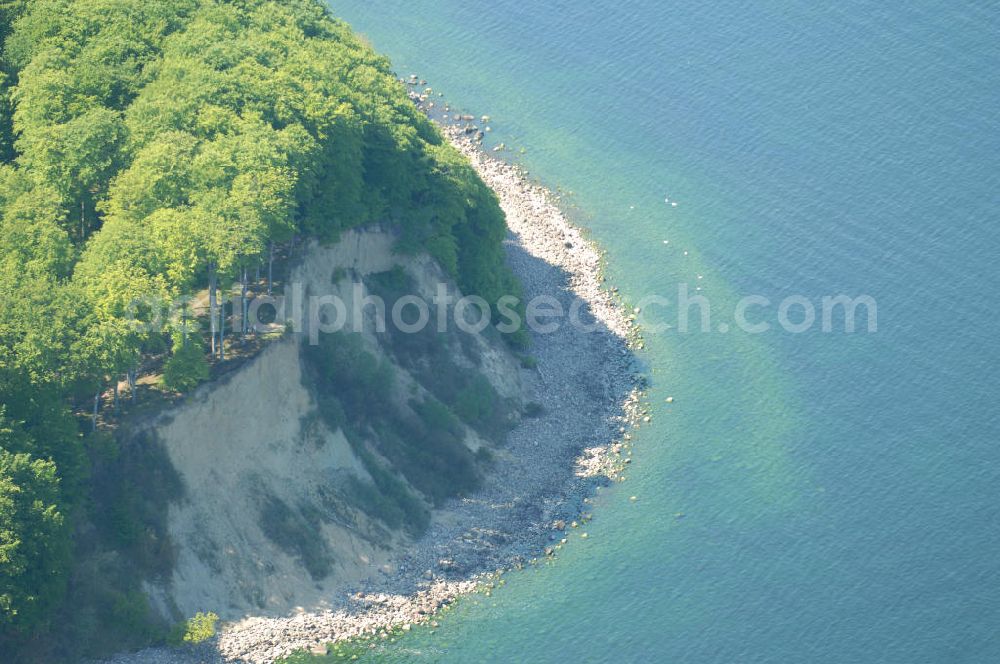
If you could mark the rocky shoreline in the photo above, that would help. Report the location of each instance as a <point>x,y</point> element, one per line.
<point>543,477</point>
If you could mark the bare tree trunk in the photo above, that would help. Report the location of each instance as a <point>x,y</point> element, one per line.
<point>270,266</point>
<point>115,379</point>
<point>132,385</point>
<point>222,329</point>
<point>184,323</point>
<point>243,304</point>
<point>82,222</point>
<point>97,402</point>
<point>213,304</point>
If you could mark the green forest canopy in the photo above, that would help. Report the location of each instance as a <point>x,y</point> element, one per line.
<point>146,145</point>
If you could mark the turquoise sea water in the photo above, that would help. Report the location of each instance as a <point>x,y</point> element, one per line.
<point>840,492</point>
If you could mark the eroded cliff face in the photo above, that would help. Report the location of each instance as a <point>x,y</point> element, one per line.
<point>306,469</point>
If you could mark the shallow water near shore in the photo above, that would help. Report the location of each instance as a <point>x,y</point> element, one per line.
<point>806,497</point>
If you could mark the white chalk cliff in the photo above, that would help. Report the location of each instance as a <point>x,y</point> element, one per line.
<point>250,447</point>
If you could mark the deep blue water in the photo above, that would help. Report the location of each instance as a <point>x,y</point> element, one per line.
<point>840,492</point>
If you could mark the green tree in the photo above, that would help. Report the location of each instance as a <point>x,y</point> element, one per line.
<point>6,120</point>
<point>34,540</point>
<point>186,368</point>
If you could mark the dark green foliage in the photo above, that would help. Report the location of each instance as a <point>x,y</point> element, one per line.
<point>424,441</point>
<point>432,454</point>
<point>131,617</point>
<point>387,497</point>
<point>430,355</point>
<point>132,490</point>
<point>355,377</point>
<point>465,390</point>
<point>390,286</point>
<point>476,403</point>
<point>6,120</point>
<point>10,11</point>
<point>106,610</point>
<point>298,533</point>
<point>35,507</point>
<point>34,541</point>
<point>355,394</point>
<point>437,418</point>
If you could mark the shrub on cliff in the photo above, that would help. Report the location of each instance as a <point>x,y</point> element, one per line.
<point>196,629</point>
<point>186,368</point>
